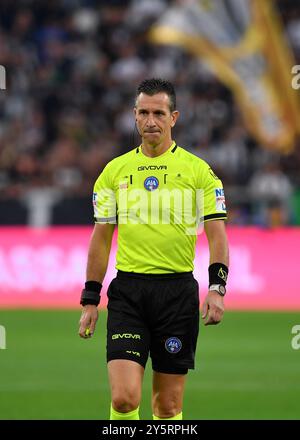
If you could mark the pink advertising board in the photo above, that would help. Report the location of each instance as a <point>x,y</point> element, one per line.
<point>46,268</point>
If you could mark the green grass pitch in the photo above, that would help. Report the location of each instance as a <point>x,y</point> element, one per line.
<point>245,369</point>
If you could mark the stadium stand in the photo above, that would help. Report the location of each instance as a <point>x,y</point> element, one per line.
<point>72,68</point>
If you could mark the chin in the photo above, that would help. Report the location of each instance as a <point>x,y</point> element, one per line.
<point>154,143</point>
<point>154,137</point>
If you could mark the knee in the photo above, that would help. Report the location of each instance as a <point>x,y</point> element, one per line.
<point>125,401</point>
<point>166,406</point>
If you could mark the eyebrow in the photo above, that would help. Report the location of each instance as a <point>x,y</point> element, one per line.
<point>154,111</point>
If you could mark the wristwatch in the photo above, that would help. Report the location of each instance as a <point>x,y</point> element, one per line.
<point>218,288</point>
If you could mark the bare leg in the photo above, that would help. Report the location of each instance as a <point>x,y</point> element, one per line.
<point>126,378</point>
<point>167,394</point>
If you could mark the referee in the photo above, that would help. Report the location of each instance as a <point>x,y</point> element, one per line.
<point>152,192</point>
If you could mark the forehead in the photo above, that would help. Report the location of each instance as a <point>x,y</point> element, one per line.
<point>157,101</point>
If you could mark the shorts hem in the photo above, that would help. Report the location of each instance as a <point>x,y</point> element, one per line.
<point>125,356</point>
<point>172,370</point>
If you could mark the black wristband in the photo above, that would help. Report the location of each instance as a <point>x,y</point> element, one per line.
<point>218,273</point>
<point>93,286</point>
<point>91,293</point>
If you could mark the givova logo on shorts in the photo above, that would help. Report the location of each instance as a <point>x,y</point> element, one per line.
<point>173,345</point>
<point>125,336</point>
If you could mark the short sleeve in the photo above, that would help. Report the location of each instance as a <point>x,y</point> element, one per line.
<point>104,199</point>
<point>214,206</point>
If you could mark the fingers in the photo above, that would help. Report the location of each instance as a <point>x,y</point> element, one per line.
<point>88,322</point>
<point>92,327</point>
<point>215,315</point>
<point>84,329</point>
<point>204,310</point>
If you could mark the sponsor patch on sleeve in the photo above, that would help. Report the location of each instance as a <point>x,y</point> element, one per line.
<point>95,198</point>
<point>220,200</point>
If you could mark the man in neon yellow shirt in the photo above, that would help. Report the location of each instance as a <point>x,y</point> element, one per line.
<point>159,195</point>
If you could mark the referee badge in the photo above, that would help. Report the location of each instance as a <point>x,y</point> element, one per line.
<point>151,183</point>
<point>173,345</point>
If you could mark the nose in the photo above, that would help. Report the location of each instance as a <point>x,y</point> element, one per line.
<point>150,121</point>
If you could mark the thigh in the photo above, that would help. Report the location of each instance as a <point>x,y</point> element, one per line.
<point>168,384</point>
<point>125,378</point>
<point>174,339</point>
<point>167,393</point>
<point>127,335</point>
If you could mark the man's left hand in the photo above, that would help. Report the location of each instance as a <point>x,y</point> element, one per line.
<point>213,308</point>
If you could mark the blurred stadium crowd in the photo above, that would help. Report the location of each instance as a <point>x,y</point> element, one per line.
<point>72,69</point>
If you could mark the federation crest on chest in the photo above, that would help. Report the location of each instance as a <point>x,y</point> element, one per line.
<point>151,183</point>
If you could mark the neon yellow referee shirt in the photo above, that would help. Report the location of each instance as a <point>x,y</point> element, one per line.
<point>159,204</point>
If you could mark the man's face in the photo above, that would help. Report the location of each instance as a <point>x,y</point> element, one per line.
<point>154,118</point>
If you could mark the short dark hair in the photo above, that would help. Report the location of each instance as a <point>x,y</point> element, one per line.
<point>157,85</point>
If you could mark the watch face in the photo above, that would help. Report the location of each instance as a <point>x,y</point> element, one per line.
<point>222,289</point>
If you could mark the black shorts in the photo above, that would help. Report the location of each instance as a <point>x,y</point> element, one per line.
<point>156,314</point>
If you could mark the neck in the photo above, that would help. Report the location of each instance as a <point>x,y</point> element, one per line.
<point>154,150</point>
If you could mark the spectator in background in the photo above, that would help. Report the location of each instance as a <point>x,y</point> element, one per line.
<point>71,66</point>
<point>270,191</point>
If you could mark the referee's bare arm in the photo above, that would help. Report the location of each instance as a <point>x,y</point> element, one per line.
<point>98,255</point>
<point>213,306</point>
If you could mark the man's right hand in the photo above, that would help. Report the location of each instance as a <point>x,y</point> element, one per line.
<point>88,321</point>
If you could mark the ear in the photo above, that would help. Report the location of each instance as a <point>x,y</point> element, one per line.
<point>174,116</point>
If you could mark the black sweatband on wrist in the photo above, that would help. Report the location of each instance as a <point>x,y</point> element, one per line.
<point>218,273</point>
<point>93,286</point>
<point>91,293</point>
